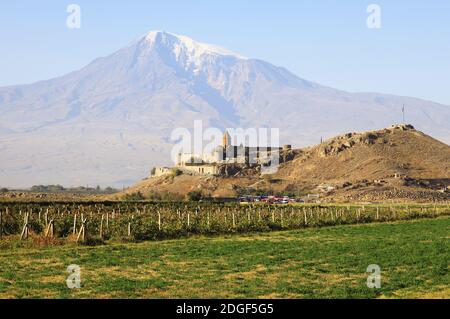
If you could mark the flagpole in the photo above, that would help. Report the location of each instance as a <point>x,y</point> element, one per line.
<point>403,111</point>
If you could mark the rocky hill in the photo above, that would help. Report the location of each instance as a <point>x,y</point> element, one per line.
<point>397,163</point>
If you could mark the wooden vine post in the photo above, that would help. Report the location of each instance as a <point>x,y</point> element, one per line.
<point>82,232</point>
<point>49,232</point>
<point>24,234</point>
<point>101,227</point>
<point>159,220</point>
<point>46,218</point>
<point>1,222</point>
<point>129,227</point>
<point>74,224</point>
<point>234,220</point>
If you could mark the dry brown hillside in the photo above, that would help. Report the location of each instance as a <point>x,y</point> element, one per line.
<point>397,163</point>
<point>372,155</point>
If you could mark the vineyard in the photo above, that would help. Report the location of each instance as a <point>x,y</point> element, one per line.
<point>98,222</point>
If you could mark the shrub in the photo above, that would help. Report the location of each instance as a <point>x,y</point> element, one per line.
<point>176,172</point>
<point>134,197</point>
<point>170,197</point>
<point>194,196</point>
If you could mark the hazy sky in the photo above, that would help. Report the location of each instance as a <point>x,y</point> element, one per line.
<point>320,40</point>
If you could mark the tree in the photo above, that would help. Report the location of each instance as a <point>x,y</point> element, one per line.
<point>110,190</point>
<point>177,172</point>
<point>4,190</point>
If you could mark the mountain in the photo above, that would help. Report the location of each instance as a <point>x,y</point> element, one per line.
<point>397,163</point>
<point>111,121</point>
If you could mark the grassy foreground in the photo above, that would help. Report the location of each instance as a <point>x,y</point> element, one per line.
<point>312,263</point>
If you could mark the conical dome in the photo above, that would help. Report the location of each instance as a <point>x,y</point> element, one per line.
<point>226,141</point>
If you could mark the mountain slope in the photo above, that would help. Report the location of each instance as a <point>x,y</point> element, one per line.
<point>109,122</point>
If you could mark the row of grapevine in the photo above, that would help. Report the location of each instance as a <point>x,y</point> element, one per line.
<point>150,221</point>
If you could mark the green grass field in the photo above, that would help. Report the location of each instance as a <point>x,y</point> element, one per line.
<point>311,263</point>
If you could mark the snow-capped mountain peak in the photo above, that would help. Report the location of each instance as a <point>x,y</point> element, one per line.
<point>186,48</point>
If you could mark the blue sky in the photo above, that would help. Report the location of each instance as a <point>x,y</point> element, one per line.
<point>326,41</point>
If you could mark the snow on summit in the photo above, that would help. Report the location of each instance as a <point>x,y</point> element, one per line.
<point>183,45</point>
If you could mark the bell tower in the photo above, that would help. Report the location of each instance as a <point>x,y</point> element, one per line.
<point>226,140</point>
